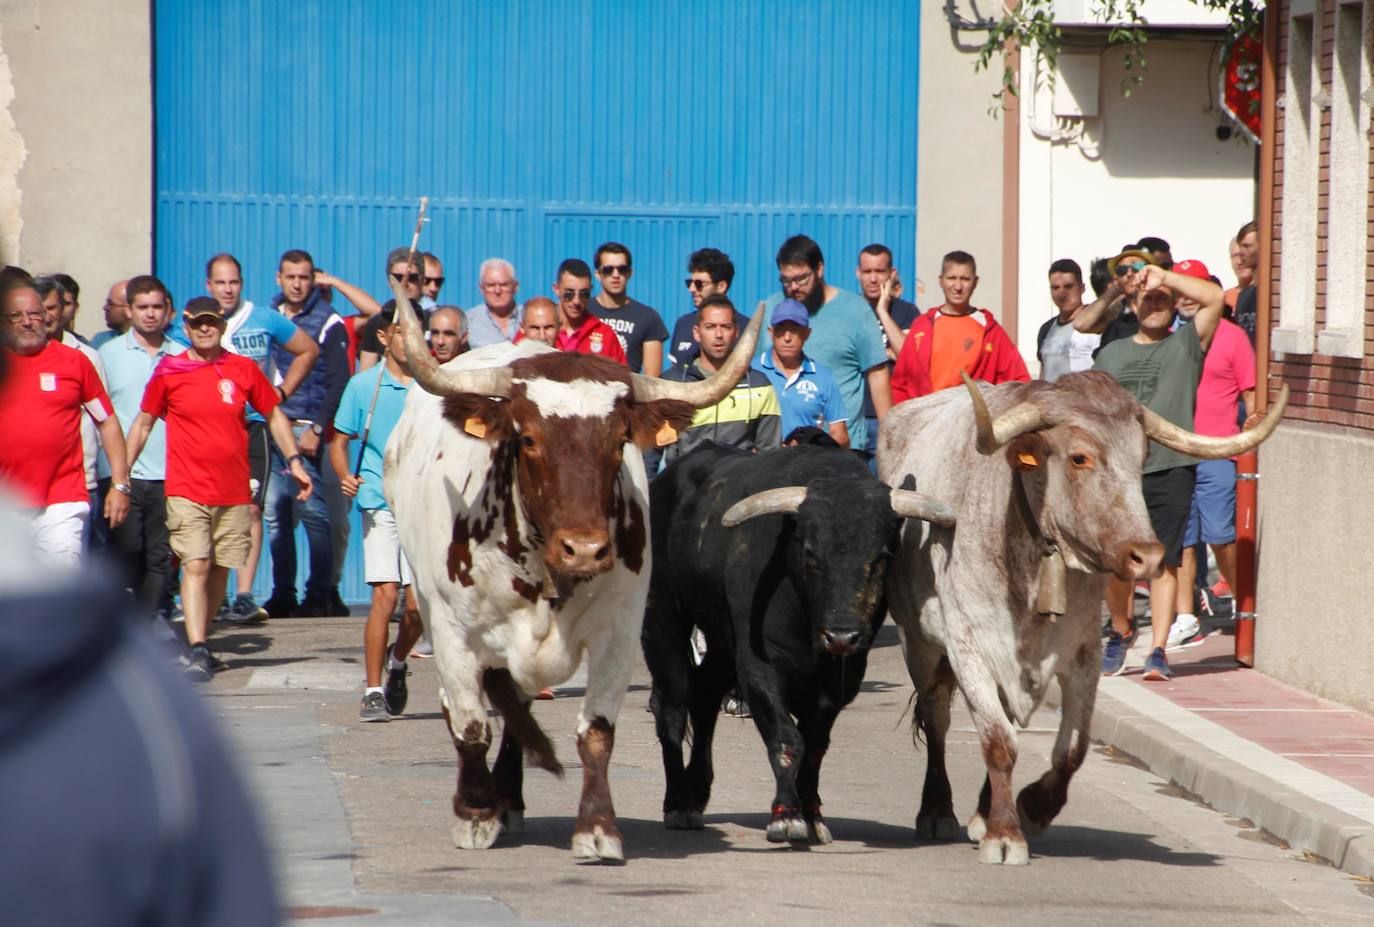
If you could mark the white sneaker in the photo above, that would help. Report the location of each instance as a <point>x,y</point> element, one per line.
<point>1184,627</point>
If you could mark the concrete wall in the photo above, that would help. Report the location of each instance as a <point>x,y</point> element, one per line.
<point>1315,628</point>
<point>76,134</point>
<point>959,174</point>
<point>1150,164</point>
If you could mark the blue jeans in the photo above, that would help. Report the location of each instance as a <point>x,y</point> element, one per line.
<point>282,511</point>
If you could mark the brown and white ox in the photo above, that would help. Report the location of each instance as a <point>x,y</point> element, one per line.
<point>1046,482</point>
<point>521,502</point>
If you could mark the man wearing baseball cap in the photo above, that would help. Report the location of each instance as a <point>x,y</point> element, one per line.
<point>807,392</point>
<point>1228,378</point>
<point>1161,367</point>
<point>201,395</point>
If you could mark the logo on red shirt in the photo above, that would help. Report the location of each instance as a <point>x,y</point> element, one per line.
<point>226,391</point>
<point>47,382</point>
<point>596,345</point>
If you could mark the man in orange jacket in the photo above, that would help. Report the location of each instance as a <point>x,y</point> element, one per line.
<point>965,340</point>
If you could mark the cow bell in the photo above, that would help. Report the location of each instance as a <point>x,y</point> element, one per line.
<point>1051,595</point>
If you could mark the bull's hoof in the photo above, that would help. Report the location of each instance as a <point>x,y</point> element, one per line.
<point>1003,851</point>
<point>1032,807</point>
<point>598,846</point>
<point>938,828</point>
<point>475,833</point>
<point>788,827</point>
<point>818,832</point>
<point>513,822</point>
<point>977,828</point>
<point>683,820</point>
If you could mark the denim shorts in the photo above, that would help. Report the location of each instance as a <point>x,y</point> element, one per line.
<point>1212,517</point>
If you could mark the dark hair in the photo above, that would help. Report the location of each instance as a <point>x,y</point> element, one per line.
<point>1247,228</point>
<point>962,258</point>
<point>1067,266</point>
<point>716,264</point>
<point>1099,275</point>
<point>296,256</point>
<point>146,283</point>
<point>800,250</point>
<point>1152,244</point>
<point>876,250</point>
<point>716,299</point>
<point>226,256</point>
<point>612,247</point>
<point>69,284</point>
<point>573,267</point>
<point>810,435</point>
<point>402,256</point>
<point>46,284</point>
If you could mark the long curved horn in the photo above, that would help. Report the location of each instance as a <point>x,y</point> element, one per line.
<point>490,381</point>
<point>1213,448</point>
<point>911,504</point>
<point>782,501</point>
<point>1018,420</point>
<point>713,389</point>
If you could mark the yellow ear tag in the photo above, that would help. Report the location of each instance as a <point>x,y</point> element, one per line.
<point>666,435</point>
<point>474,427</point>
<point>1028,461</point>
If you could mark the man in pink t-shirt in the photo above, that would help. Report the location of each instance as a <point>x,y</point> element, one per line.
<point>1228,379</point>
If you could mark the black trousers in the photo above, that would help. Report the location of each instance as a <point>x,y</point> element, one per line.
<point>141,545</point>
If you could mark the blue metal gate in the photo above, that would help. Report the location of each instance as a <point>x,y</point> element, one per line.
<point>539,129</point>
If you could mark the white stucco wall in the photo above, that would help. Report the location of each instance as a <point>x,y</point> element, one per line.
<point>1159,170</point>
<point>76,142</point>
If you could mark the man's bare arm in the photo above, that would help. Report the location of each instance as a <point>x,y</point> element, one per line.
<point>880,388</point>
<point>1094,317</point>
<point>895,336</point>
<point>364,303</point>
<point>840,432</point>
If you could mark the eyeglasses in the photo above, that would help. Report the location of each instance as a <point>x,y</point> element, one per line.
<point>693,284</point>
<point>435,280</point>
<point>497,285</point>
<point>621,270</point>
<point>799,280</point>
<point>567,295</point>
<point>14,317</point>
<point>1124,269</point>
<point>406,278</point>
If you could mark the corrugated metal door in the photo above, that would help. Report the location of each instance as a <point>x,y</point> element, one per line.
<point>538,129</point>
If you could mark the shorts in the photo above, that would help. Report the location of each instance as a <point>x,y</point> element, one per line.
<point>259,460</point>
<point>1168,497</point>
<point>1213,514</point>
<point>59,532</point>
<point>209,532</point>
<point>383,559</point>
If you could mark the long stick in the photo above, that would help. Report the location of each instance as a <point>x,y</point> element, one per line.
<point>376,390</point>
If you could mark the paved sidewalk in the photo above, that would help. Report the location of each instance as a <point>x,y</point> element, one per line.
<point>1295,765</point>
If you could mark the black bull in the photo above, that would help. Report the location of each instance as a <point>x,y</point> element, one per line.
<point>788,589</point>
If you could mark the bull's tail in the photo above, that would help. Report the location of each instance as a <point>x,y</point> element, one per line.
<point>507,698</point>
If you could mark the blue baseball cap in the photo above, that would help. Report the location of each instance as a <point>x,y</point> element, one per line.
<point>789,310</point>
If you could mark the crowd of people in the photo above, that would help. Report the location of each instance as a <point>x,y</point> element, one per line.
<point>173,437</point>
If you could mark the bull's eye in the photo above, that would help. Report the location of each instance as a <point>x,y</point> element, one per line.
<point>526,441</point>
<point>1081,461</point>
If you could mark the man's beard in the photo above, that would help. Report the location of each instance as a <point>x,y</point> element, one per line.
<point>816,298</point>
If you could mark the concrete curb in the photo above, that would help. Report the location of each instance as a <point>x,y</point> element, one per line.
<point>1306,824</point>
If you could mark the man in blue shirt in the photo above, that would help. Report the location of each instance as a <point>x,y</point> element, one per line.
<point>497,318</point>
<point>807,393</point>
<point>254,331</point>
<point>141,540</point>
<point>378,393</point>
<point>844,338</point>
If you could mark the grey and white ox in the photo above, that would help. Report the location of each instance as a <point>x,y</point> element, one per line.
<point>1010,598</point>
<point>521,501</point>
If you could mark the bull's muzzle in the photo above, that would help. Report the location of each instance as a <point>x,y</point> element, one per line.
<point>840,643</point>
<point>1138,560</point>
<point>580,553</point>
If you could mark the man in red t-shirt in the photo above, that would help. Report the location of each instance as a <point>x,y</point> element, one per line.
<point>47,390</point>
<point>580,331</point>
<point>201,394</point>
<point>955,338</point>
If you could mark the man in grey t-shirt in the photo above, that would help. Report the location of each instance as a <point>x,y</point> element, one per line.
<point>1162,370</point>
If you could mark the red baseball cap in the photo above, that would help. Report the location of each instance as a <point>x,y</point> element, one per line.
<point>1192,268</point>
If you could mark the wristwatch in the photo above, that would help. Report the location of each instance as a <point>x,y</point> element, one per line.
<point>317,428</point>
<point>123,487</point>
<point>295,457</point>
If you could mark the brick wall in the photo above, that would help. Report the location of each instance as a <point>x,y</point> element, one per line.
<point>1324,389</point>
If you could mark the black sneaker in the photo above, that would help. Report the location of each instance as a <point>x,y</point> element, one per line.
<point>202,653</point>
<point>280,606</point>
<point>373,708</point>
<point>397,692</point>
<point>313,606</point>
<point>195,664</point>
<point>337,606</point>
<point>245,610</point>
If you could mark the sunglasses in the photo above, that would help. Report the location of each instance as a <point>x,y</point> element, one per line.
<point>1124,269</point>
<point>607,270</point>
<point>697,284</point>
<point>568,295</point>
<point>438,280</point>
<point>406,278</point>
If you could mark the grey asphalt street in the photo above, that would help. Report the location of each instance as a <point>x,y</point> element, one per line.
<point>359,819</point>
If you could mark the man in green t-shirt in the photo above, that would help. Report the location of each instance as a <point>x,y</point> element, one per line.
<point>1161,367</point>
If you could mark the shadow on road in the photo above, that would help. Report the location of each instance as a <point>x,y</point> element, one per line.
<point>1072,842</point>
